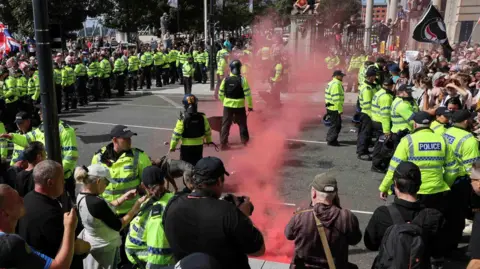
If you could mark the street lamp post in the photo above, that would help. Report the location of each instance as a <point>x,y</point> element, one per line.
<point>212,47</point>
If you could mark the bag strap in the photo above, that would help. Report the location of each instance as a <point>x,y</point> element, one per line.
<point>395,214</point>
<point>323,238</point>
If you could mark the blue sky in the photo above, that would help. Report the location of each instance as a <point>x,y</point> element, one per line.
<point>375,2</point>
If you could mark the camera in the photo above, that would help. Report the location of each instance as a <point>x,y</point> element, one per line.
<point>237,200</point>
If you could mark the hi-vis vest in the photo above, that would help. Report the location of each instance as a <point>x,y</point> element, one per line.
<point>464,147</point>
<point>402,114</point>
<point>135,244</point>
<point>126,173</point>
<point>159,251</point>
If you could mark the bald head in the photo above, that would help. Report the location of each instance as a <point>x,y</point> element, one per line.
<point>48,177</point>
<point>11,208</point>
<point>5,191</point>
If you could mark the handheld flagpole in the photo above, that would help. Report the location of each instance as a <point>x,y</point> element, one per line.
<point>473,31</point>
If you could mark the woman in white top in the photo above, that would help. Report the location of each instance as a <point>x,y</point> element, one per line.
<point>101,225</point>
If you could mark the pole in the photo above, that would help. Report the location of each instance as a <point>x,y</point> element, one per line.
<point>45,68</point>
<point>205,21</point>
<point>368,25</point>
<point>212,47</point>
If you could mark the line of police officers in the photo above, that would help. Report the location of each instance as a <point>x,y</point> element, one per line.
<point>444,147</point>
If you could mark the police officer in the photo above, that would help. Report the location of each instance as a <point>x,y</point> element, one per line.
<point>172,56</point>
<point>193,129</point>
<point>23,120</point>
<point>221,66</point>
<point>159,252</point>
<point>188,71</point>
<point>404,108</point>
<point>440,124</point>
<point>33,86</point>
<point>379,64</point>
<point>119,68</point>
<point>93,72</point>
<point>105,70</point>
<point>146,62</point>
<point>356,61</point>
<point>10,95</point>
<point>133,67</point>
<point>465,147</point>
<point>334,99</point>
<point>202,60</point>
<point>136,247</point>
<point>22,88</point>
<point>166,68</point>
<point>367,90</point>
<point>158,62</point>
<point>234,90</point>
<point>68,144</point>
<point>381,123</point>
<point>181,60</point>
<point>276,81</point>
<point>81,74</point>
<point>68,84</point>
<point>429,152</point>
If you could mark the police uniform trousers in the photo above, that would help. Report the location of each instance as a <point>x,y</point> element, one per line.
<point>365,132</point>
<point>180,72</point>
<point>132,80</point>
<point>93,86</point>
<point>120,83</point>
<point>158,75</point>
<point>383,149</point>
<point>187,85</point>
<point>81,86</point>
<point>396,137</point>
<point>58,93</point>
<point>197,76</point>
<point>165,76</point>
<point>173,73</point>
<point>458,208</point>
<point>146,77</point>
<point>106,88</point>
<point>240,116</point>
<point>203,72</point>
<point>191,154</point>
<point>335,127</point>
<point>70,97</point>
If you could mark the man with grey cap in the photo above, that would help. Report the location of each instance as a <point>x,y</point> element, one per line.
<point>341,227</point>
<point>201,222</point>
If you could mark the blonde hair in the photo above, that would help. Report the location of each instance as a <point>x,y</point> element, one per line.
<point>81,176</point>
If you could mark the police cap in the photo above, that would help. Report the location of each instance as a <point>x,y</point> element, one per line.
<point>461,115</point>
<point>422,117</point>
<point>404,88</point>
<point>338,73</point>
<point>388,82</point>
<point>443,111</point>
<point>371,72</point>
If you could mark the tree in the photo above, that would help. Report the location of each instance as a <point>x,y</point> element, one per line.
<point>18,14</point>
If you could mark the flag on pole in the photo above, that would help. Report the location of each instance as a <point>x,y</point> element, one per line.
<point>7,42</point>
<point>250,6</point>
<point>173,3</point>
<point>431,29</point>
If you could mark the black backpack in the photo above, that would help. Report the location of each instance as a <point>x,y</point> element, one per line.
<point>402,245</point>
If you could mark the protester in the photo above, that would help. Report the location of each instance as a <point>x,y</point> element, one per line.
<point>475,238</point>
<point>209,225</point>
<point>34,154</point>
<point>15,252</point>
<point>340,225</point>
<point>42,226</point>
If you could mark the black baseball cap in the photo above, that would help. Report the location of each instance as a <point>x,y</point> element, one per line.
<point>196,261</point>
<point>388,82</point>
<point>208,169</point>
<point>443,111</point>
<point>338,73</point>
<point>422,117</point>
<point>153,175</point>
<point>461,115</point>
<point>121,131</point>
<point>404,88</point>
<point>21,116</point>
<point>371,72</point>
<point>409,171</point>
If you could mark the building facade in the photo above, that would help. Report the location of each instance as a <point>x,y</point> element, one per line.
<point>379,10</point>
<point>461,17</point>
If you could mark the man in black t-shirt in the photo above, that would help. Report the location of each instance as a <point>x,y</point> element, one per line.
<point>34,154</point>
<point>475,238</point>
<point>200,222</point>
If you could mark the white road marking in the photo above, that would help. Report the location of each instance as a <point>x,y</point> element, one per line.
<point>168,100</point>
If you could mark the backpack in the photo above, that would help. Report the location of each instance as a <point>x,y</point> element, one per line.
<point>402,245</point>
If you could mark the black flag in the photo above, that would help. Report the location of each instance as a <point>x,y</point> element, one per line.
<point>431,29</point>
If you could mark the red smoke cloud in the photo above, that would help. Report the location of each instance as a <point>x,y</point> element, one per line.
<point>257,166</point>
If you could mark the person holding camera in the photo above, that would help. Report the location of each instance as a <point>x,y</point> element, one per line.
<point>202,222</point>
<point>323,232</point>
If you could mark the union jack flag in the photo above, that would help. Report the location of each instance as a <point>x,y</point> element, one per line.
<point>7,42</point>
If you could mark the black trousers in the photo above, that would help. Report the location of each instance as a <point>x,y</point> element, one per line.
<point>187,85</point>
<point>180,72</point>
<point>94,88</point>
<point>203,72</point>
<point>377,129</point>
<point>81,87</point>
<point>457,209</point>
<point>191,154</point>
<point>158,75</point>
<point>240,116</point>
<point>383,149</point>
<point>336,126</point>
<point>146,77</point>
<point>11,110</point>
<point>165,76</point>
<point>365,131</point>
<point>70,97</point>
<point>58,92</point>
<point>106,87</point>
<point>120,84</point>
<point>173,73</point>
<point>132,80</point>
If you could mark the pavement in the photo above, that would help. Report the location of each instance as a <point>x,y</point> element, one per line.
<point>152,114</point>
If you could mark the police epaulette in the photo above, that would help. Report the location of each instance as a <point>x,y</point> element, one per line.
<point>140,150</point>
<point>302,211</point>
